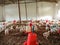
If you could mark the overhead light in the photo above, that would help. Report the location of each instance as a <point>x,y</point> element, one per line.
<point>56,4</point>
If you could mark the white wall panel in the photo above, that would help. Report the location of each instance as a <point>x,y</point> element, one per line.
<point>11,12</point>
<point>23,12</point>
<point>46,9</point>
<point>57,17</point>
<point>2,16</point>
<point>31,11</point>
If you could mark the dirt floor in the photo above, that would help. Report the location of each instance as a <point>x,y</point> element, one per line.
<point>19,39</point>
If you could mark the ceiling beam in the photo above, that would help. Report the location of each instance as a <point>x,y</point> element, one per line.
<point>47,1</point>
<point>23,1</point>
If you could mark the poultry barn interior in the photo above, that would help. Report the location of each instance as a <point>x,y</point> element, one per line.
<point>29,22</point>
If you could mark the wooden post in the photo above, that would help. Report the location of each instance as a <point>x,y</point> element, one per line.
<point>19,11</point>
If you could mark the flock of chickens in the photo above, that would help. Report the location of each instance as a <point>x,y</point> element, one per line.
<point>48,33</point>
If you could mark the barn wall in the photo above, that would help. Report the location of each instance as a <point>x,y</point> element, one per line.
<point>44,9</point>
